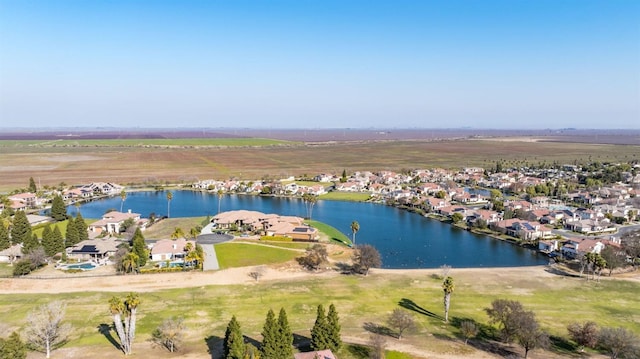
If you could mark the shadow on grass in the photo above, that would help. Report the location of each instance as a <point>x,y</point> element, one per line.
<point>486,340</point>
<point>411,305</point>
<point>214,346</point>
<point>301,342</point>
<point>379,329</point>
<point>358,351</point>
<point>345,268</point>
<point>563,346</point>
<point>105,329</point>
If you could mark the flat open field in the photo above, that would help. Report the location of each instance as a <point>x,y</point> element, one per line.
<point>208,300</point>
<point>141,164</point>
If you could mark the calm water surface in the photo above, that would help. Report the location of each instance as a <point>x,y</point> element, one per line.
<point>405,240</point>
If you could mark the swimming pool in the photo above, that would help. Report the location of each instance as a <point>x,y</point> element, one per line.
<point>81,266</point>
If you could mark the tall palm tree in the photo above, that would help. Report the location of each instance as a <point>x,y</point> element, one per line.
<point>117,308</point>
<point>130,263</point>
<point>132,301</point>
<point>447,287</point>
<point>169,198</point>
<point>123,196</point>
<point>355,227</point>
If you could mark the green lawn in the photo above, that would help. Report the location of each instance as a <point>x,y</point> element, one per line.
<point>345,196</point>
<point>62,225</point>
<point>333,233</point>
<point>164,228</point>
<point>244,254</point>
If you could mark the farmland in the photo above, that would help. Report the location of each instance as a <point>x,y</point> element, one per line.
<point>178,164</point>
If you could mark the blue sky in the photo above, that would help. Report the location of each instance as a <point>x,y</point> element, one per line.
<point>320,64</point>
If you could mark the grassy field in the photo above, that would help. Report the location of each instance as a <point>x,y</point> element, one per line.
<point>345,196</point>
<point>331,232</point>
<point>151,165</point>
<point>164,228</point>
<point>245,254</point>
<point>361,303</point>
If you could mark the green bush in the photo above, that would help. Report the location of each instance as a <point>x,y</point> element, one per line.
<point>276,239</point>
<point>73,270</point>
<point>23,267</point>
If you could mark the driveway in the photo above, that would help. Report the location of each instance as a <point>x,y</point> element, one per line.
<point>207,239</point>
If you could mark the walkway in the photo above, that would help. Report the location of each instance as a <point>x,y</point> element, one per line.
<point>207,239</point>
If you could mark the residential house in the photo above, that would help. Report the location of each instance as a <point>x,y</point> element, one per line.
<point>22,201</point>
<point>522,229</point>
<point>11,254</point>
<point>548,246</point>
<point>167,249</point>
<point>112,222</point>
<point>98,250</point>
<point>434,204</point>
<point>573,247</point>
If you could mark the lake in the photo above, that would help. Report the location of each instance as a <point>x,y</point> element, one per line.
<point>404,239</point>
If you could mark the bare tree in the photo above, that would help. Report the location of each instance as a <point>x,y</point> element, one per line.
<point>125,327</point>
<point>378,345</point>
<point>401,320</point>
<point>366,257</point>
<point>45,329</point>
<point>619,342</point>
<point>529,334</point>
<point>444,270</point>
<point>257,273</point>
<point>469,330</point>
<point>506,314</point>
<point>585,334</point>
<point>314,257</point>
<point>169,334</point>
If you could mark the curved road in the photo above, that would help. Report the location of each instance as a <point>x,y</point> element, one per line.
<point>207,239</point>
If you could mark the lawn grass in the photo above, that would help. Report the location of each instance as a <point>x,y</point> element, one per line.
<point>233,254</point>
<point>359,300</point>
<point>164,228</point>
<point>332,233</point>
<point>5,270</point>
<point>345,196</point>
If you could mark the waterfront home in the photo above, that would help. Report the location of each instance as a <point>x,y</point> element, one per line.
<point>112,222</point>
<point>548,246</point>
<point>527,230</point>
<point>589,226</point>
<point>167,249</point>
<point>22,201</point>
<point>103,188</point>
<point>573,247</point>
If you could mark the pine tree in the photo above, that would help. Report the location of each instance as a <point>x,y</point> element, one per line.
<point>285,336</point>
<point>333,326</point>
<point>48,242</point>
<point>58,240</point>
<point>13,347</point>
<point>269,346</point>
<point>21,229</point>
<point>140,248</point>
<point>319,335</point>
<point>58,209</point>
<point>233,345</point>
<point>4,237</point>
<point>71,237</point>
<point>81,228</point>
<point>32,185</point>
<point>30,244</point>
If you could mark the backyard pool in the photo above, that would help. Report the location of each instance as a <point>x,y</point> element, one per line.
<point>81,266</point>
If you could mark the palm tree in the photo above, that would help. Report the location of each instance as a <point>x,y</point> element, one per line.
<point>130,262</point>
<point>132,301</point>
<point>309,200</point>
<point>447,287</point>
<point>123,196</point>
<point>169,198</point>
<point>355,227</point>
<point>194,232</point>
<point>117,309</point>
<point>177,233</point>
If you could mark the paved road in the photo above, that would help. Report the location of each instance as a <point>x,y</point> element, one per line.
<point>210,258</point>
<point>207,239</point>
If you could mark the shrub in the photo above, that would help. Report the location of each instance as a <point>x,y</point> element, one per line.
<point>22,267</point>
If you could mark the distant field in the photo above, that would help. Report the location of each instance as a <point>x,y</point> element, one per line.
<point>142,142</point>
<point>159,165</point>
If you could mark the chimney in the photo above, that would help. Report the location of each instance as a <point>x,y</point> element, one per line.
<point>129,211</point>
